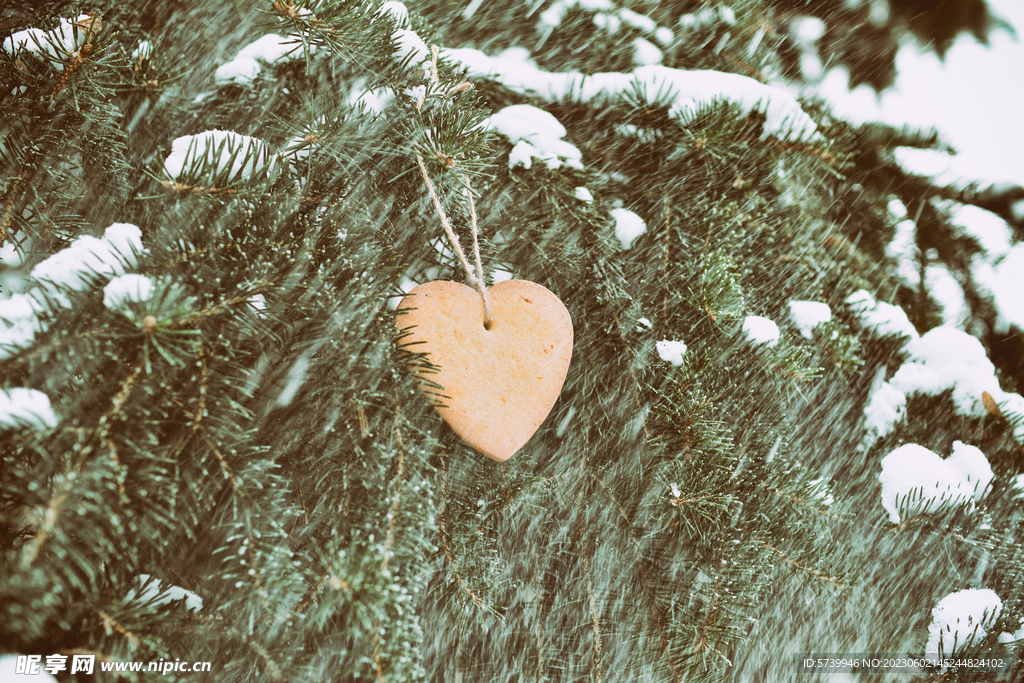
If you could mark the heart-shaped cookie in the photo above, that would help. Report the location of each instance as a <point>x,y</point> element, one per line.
<point>499,382</point>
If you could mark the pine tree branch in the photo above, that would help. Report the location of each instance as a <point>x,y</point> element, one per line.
<point>635,386</point>
<point>702,641</point>
<point>235,483</point>
<point>49,521</point>
<point>642,576</point>
<point>784,146</point>
<point>111,625</point>
<point>595,621</point>
<point>442,528</point>
<point>796,500</point>
<point>392,522</point>
<point>11,198</point>
<point>112,448</point>
<point>666,242</point>
<point>78,60</point>
<point>396,503</point>
<point>215,309</point>
<point>53,510</point>
<point>307,599</point>
<point>184,188</point>
<point>272,668</point>
<point>819,575</point>
<point>203,381</point>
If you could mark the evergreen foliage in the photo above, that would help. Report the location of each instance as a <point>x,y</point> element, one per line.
<point>248,429</point>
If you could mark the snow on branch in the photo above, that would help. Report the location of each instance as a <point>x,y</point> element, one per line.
<point>916,480</point>
<point>271,48</point>
<point>535,134</point>
<point>25,407</point>
<point>217,153</point>
<point>57,44</point>
<point>88,256</point>
<point>960,620</point>
<point>688,90</point>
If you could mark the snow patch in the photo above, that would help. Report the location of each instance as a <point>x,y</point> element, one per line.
<point>25,408</point>
<point>993,234</point>
<point>808,29</point>
<point>646,52</point>
<point>237,71</point>
<point>258,303</point>
<point>628,226</point>
<point>150,591</point>
<point>143,51</point>
<point>960,620</point>
<point>671,351</point>
<point>58,43</point>
<point>127,288</point>
<point>637,20</point>
<point>806,315</point>
<point>949,359</point>
<point>972,464</point>
<point>216,149</point>
<point>917,481</point>
<point>608,22</point>
<point>785,118</point>
<point>535,134</point>
<point>903,250</point>
<point>397,11</point>
<point>1007,638</point>
<point>885,320</point>
<point>375,101</point>
<point>87,256</point>
<point>1004,283</point>
<point>244,68</point>
<point>19,323</point>
<point>946,347</point>
<point>948,170</point>
<point>708,16</point>
<point>553,16</point>
<point>410,44</point>
<point>760,330</point>
<point>946,291</point>
<point>10,256</point>
<point>886,408</point>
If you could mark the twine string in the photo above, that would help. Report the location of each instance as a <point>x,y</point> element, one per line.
<point>478,278</point>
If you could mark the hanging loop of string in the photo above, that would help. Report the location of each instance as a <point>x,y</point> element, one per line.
<point>478,278</point>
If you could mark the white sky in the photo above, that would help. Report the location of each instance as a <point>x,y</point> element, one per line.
<point>975,98</point>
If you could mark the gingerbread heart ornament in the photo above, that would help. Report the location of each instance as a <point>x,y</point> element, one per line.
<point>499,382</point>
